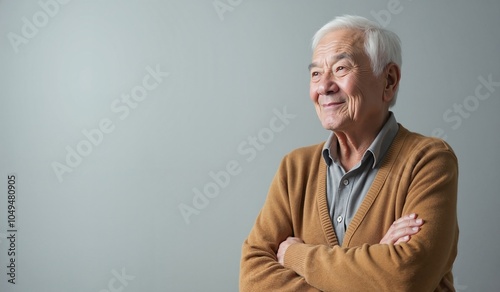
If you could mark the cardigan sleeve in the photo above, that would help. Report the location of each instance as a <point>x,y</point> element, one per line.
<point>427,185</point>
<point>259,267</point>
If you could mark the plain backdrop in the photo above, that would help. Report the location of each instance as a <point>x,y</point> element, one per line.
<point>116,115</point>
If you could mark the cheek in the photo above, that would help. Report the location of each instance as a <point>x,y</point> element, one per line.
<point>349,84</point>
<point>352,91</point>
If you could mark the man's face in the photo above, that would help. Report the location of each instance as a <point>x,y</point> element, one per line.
<point>347,96</point>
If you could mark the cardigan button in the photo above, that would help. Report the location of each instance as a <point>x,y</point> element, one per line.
<point>339,219</point>
<point>346,182</point>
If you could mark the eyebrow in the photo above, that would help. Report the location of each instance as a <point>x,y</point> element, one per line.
<point>335,59</point>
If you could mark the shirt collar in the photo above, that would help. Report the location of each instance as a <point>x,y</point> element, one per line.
<point>377,148</point>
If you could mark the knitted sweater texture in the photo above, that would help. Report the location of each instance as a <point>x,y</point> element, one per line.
<point>418,175</point>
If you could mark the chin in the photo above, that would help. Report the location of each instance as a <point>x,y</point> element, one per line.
<point>329,127</point>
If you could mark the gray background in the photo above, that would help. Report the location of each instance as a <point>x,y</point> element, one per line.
<point>229,72</point>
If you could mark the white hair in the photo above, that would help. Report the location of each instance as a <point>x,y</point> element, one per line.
<point>381,45</point>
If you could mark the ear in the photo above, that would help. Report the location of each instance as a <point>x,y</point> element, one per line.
<point>392,75</point>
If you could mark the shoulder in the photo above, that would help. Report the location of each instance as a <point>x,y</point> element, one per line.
<point>416,148</point>
<point>415,142</point>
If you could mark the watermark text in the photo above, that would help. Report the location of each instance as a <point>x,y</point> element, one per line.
<point>119,281</point>
<point>455,115</point>
<point>122,107</point>
<point>40,19</point>
<point>223,6</point>
<point>248,149</point>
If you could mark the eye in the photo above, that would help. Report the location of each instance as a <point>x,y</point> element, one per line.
<point>339,68</point>
<point>315,76</point>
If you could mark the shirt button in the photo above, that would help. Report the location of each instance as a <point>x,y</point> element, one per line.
<point>339,219</point>
<point>345,182</point>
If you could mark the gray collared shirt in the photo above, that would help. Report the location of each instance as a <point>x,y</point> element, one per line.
<point>346,190</point>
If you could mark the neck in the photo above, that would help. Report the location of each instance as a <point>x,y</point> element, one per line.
<point>352,145</point>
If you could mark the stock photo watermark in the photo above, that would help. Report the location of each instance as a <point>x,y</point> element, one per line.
<point>384,16</point>
<point>122,107</point>
<point>31,26</point>
<point>119,281</point>
<point>455,115</point>
<point>247,149</point>
<point>223,6</point>
<point>11,227</point>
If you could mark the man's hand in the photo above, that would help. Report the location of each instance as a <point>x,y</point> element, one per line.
<point>402,229</point>
<point>283,247</point>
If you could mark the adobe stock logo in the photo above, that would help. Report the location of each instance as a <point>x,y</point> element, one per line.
<point>221,179</point>
<point>455,115</point>
<point>223,6</point>
<point>384,16</point>
<point>122,106</point>
<point>40,19</point>
<point>119,281</point>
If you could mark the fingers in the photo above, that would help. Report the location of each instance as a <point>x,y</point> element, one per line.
<point>402,229</point>
<point>409,221</point>
<point>405,238</point>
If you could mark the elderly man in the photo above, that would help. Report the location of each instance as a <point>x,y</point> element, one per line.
<point>346,215</point>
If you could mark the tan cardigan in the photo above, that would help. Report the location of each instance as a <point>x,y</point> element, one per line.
<point>418,175</point>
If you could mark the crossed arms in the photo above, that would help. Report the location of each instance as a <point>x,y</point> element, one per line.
<point>400,231</point>
<point>377,255</point>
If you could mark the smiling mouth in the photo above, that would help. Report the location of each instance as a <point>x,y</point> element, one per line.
<point>333,104</point>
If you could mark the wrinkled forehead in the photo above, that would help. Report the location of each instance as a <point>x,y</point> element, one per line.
<point>348,41</point>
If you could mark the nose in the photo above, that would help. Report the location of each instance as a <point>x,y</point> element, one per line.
<point>327,85</point>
